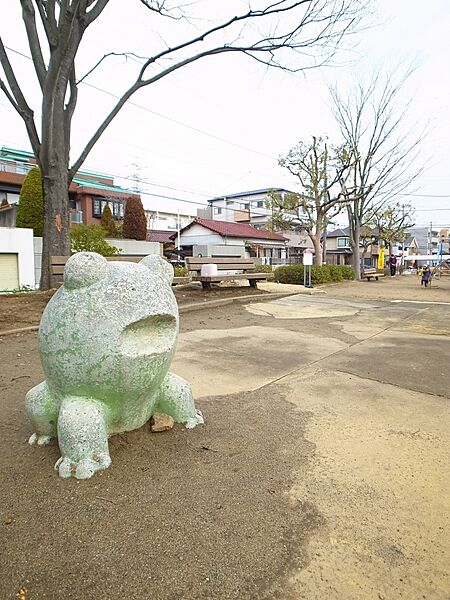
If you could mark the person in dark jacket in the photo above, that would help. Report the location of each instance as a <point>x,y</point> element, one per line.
<point>393,264</point>
<point>426,276</point>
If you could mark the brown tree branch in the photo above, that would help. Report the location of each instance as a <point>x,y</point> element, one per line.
<point>29,20</point>
<point>17,99</point>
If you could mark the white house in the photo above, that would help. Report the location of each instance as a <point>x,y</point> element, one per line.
<point>224,238</point>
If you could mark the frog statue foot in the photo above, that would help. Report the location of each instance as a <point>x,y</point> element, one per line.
<point>82,439</point>
<point>106,340</point>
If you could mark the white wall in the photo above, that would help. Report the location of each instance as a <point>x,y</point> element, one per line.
<point>136,247</point>
<point>214,251</point>
<point>15,240</point>
<point>196,234</point>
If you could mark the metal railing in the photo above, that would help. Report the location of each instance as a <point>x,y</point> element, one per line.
<point>10,166</point>
<point>76,217</point>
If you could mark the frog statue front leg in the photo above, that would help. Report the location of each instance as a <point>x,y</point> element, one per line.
<point>175,399</point>
<point>81,424</point>
<point>81,427</point>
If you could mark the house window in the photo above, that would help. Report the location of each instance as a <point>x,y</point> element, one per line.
<point>218,210</point>
<point>229,202</point>
<point>246,206</point>
<point>343,242</point>
<point>96,208</point>
<point>260,204</point>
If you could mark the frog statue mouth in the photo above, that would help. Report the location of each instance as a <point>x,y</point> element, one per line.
<point>151,336</point>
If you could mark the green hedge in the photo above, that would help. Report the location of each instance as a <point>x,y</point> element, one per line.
<point>319,274</point>
<point>263,269</point>
<point>180,271</point>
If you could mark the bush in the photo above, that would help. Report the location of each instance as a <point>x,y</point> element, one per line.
<point>319,274</point>
<point>30,211</point>
<point>108,223</point>
<point>134,221</point>
<point>263,269</point>
<point>91,238</point>
<point>180,271</point>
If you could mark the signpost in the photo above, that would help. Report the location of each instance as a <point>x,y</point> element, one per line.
<point>307,263</point>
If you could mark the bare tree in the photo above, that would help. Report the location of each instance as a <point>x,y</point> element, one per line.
<point>310,28</point>
<point>377,145</point>
<point>393,221</point>
<point>321,199</point>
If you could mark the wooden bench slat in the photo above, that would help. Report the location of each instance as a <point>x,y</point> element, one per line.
<point>204,260</point>
<point>57,269</point>
<point>216,278</point>
<point>224,267</point>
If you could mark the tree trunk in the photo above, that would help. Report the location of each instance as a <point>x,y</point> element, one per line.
<point>315,238</point>
<point>354,243</point>
<point>56,239</point>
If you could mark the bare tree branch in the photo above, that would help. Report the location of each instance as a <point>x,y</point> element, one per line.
<point>17,99</point>
<point>104,57</point>
<point>33,40</point>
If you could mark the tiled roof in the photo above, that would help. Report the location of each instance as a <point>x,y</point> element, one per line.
<point>338,233</point>
<point>240,230</point>
<point>160,236</point>
<point>96,185</point>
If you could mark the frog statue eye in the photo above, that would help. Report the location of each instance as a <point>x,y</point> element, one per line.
<point>159,266</point>
<point>83,269</point>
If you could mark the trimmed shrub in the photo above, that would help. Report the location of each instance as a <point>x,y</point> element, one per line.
<point>319,274</point>
<point>30,210</point>
<point>108,223</point>
<point>91,238</point>
<point>180,271</point>
<point>134,221</point>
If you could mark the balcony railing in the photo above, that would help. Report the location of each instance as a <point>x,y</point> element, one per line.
<point>76,217</point>
<point>15,167</point>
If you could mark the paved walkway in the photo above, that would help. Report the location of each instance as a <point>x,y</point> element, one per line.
<point>373,378</point>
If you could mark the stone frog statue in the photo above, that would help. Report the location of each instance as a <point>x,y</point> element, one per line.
<point>106,340</point>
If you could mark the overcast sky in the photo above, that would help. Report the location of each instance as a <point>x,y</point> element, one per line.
<point>218,126</point>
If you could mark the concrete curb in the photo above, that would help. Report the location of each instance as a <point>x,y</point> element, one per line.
<point>224,301</point>
<point>186,308</point>
<point>21,330</point>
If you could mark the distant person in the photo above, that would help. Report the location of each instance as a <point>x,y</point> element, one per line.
<point>426,276</point>
<point>393,264</point>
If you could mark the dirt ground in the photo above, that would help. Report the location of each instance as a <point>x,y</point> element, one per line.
<point>23,310</point>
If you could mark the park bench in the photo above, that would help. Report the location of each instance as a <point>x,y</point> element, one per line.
<point>372,273</point>
<point>57,264</point>
<point>243,268</point>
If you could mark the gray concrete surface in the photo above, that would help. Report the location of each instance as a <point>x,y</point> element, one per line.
<point>373,378</point>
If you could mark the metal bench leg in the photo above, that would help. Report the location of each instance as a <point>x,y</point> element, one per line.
<point>206,285</point>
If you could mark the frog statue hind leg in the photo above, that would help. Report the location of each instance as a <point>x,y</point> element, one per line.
<point>43,412</point>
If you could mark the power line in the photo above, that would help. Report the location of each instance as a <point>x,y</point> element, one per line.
<point>162,116</point>
<point>427,195</point>
<point>430,209</point>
